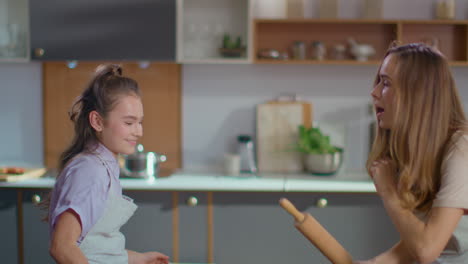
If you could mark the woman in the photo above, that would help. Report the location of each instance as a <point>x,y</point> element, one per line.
<point>419,159</point>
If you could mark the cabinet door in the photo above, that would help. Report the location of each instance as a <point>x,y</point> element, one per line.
<point>35,231</point>
<point>161,89</point>
<point>253,228</point>
<point>193,227</point>
<point>8,228</point>
<point>150,228</point>
<point>106,29</point>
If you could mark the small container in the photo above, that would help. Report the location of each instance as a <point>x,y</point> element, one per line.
<point>246,153</point>
<point>445,9</point>
<point>328,8</point>
<point>319,50</point>
<point>372,9</point>
<point>339,52</point>
<point>231,164</point>
<point>299,50</point>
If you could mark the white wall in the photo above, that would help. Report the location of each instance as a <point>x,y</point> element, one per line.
<point>21,131</point>
<point>219,103</point>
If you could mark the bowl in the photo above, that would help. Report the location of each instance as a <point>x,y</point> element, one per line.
<point>323,164</point>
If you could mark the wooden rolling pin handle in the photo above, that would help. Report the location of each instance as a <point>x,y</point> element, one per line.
<point>291,209</point>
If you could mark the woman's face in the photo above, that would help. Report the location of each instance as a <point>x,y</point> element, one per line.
<point>123,125</point>
<point>383,93</point>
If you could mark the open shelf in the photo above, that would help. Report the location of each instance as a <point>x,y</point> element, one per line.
<point>280,34</point>
<point>201,25</point>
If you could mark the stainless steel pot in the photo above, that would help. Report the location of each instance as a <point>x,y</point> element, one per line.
<point>142,164</point>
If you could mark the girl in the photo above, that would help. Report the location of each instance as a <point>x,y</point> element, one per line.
<point>419,159</point>
<point>87,207</point>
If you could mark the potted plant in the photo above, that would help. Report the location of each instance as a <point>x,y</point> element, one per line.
<point>320,156</point>
<point>232,48</point>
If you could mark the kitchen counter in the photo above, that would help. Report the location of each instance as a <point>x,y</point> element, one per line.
<point>342,182</point>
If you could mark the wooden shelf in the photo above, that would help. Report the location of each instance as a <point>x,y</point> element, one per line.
<point>451,37</point>
<point>325,62</point>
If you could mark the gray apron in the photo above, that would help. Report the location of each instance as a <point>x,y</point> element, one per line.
<point>104,243</point>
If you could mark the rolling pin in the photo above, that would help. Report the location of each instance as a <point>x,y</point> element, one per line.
<point>317,235</point>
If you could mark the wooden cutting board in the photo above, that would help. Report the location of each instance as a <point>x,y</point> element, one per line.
<point>277,134</point>
<point>28,174</point>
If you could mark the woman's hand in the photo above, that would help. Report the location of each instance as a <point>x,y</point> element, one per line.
<point>383,173</point>
<point>147,258</point>
<point>364,262</point>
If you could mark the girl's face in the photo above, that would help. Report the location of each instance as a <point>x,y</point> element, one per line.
<point>383,93</point>
<point>123,125</point>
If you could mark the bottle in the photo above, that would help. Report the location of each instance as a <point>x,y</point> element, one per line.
<point>246,153</point>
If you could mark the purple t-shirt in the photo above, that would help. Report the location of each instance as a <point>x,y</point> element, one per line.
<point>83,186</point>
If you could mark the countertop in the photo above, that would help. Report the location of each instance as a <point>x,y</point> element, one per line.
<point>342,182</point>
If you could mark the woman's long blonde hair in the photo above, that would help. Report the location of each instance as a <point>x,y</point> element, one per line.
<point>427,112</point>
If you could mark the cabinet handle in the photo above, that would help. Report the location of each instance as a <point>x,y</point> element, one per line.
<point>36,199</point>
<point>322,203</point>
<point>38,52</point>
<point>192,201</point>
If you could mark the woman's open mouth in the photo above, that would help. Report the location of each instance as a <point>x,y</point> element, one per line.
<point>379,110</point>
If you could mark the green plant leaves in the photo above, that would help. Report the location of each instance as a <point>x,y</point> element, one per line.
<point>312,141</point>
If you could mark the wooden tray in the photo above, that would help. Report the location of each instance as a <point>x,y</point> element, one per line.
<point>28,174</point>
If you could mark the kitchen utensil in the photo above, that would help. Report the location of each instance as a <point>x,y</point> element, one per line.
<point>277,132</point>
<point>317,235</point>
<point>142,164</point>
<point>323,164</point>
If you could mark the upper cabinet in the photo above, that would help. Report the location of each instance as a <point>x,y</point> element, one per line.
<point>103,30</point>
<point>213,31</point>
<point>14,30</point>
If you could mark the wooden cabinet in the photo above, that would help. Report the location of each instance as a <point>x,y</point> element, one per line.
<point>35,231</point>
<point>160,86</point>
<point>202,24</point>
<point>8,228</point>
<point>450,36</point>
<point>103,30</point>
<point>151,227</point>
<point>253,228</point>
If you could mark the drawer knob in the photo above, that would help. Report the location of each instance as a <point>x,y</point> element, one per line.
<point>192,201</point>
<point>322,203</point>
<point>36,199</point>
<point>38,52</point>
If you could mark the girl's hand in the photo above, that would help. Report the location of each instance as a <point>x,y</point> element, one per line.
<point>155,258</point>
<point>383,173</point>
<point>147,258</point>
